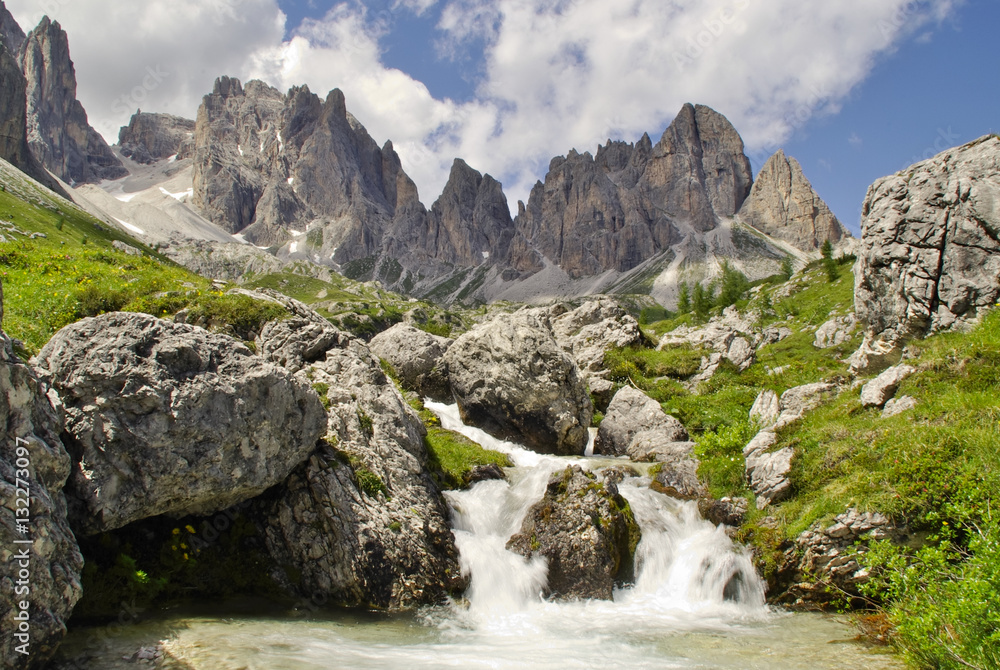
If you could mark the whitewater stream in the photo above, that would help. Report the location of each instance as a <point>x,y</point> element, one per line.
<point>697,603</point>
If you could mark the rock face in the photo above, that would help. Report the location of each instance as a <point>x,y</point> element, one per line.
<point>510,378</point>
<point>13,121</point>
<point>632,412</point>
<point>227,262</point>
<point>58,131</point>
<point>361,522</point>
<point>929,256</point>
<point>824,557</point>
<point>152,137</point>
<point>11,35</point>
<point>783,204</point>
<point>33,463</point>
<point>165,418</point>
<point>836,331</point>
<point>585,530</point>
<point>418,359</point>
<point>614,210</point>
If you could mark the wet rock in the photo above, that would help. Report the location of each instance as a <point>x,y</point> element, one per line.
<point>418,359</point>
<point>676,474</point>
<point>632,412</point>
<point>362,522</point>
<point>726,511</point>
<point>929,257</point>
<point>587,533</point>
<point>510,377</point>
<point>166,418</point>
<point>33,464</point>
<point>483,473</point>
<point>878,391</point>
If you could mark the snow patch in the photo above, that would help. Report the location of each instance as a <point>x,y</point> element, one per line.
<point>293,247</point>
<point>178,196</point>
<point>291,180</point>
<point>281,144</point>
<point>125,197</point>
<point>296,233</point>
<point>172,159</point>
<point>128,226</point>
<point>486,255</point>
<point>239,238</point>
<point>240,149</point>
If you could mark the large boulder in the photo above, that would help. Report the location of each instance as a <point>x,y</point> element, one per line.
<point>417,357</point>
<point>632,412</point>
<point>166,418</point>
<point>590,330</point>
<point>929,256</point>
<point>362,522</point>
<point>37,548</point>
<point>880,390</point>
<point>585,530</point>
<point>510,378</point>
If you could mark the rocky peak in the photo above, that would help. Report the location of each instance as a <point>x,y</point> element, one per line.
<point>471,219</point>
<point>11,34</point>
<point>267,163</point>
<point>151,137</point>
<point>783,204</point>
<point>58,131</point>
<point>616,210</point>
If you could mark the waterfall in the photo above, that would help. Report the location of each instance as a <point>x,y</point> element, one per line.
<point>689,574</point>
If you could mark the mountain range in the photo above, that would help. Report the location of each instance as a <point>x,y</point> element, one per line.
<point>299,178</point>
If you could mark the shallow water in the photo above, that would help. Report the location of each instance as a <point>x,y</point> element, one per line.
<point>696,603</point>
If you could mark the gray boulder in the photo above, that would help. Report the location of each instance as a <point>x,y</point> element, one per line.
<point>766,408</point>
<point>676,474</point>
<point>587,533</point>
<point>880,390</point>
<point>33,463</point>
<point>836,331</point>
<point>929,256</point>
<point>362,522</point>
<point>798,400</point>
<point>896,406</point>
<point>631,412</point>
<point>589,331</point>
<point>171,419</point>
<point>510,378</point>
<point>295,343</point>
<point>418,359</point>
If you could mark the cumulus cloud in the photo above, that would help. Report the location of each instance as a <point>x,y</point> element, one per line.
<point>158,55</point>
<point>556,74</point>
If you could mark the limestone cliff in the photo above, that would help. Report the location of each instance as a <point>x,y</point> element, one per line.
<point>152,137</point>
<point>784,205</point>
<point>615,210</point>
<point>58,131</point>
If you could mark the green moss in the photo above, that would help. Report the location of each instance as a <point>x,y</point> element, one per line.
<point>322,390</point>
<point>369,482</point>
<point>452,457</point>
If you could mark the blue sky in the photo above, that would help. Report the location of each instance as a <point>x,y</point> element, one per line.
<point>854,89</point>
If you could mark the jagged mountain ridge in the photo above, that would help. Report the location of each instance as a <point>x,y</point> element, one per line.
<point>272,166</point>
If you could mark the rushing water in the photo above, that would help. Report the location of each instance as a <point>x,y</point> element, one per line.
<point>697,603</point>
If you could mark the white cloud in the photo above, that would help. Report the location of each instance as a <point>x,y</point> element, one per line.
<point>160,55</point>
<point>556,74</point>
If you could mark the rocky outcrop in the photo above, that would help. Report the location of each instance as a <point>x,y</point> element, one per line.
<point>929,256</point>
<point>822,566</point>
<point>617,209</point>
<point>58,131</point>
<point>165,418</point>
<point>418,359</point>
<point>880,390</point>
<point>727,337</point>
<point>676,472</point>
<point>151,137</point>
<point>894,406</point>
<point>226,262</point>
<point>784,205</point>
<point>361,522</point>
<point>632,412</point>
<point>510,378</point>
<point>39,551</point>
<point>767,469</point>
<point>298,342</point>
<point>593,328</point>
<point>836,331</point>
<point>585,530</point>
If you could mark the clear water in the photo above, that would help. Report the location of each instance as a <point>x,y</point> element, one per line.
<point>697,603</point>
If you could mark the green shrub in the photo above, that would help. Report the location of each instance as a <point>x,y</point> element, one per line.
<point>244,314</point>
<point>94,299</point>
<point>720,453</point>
